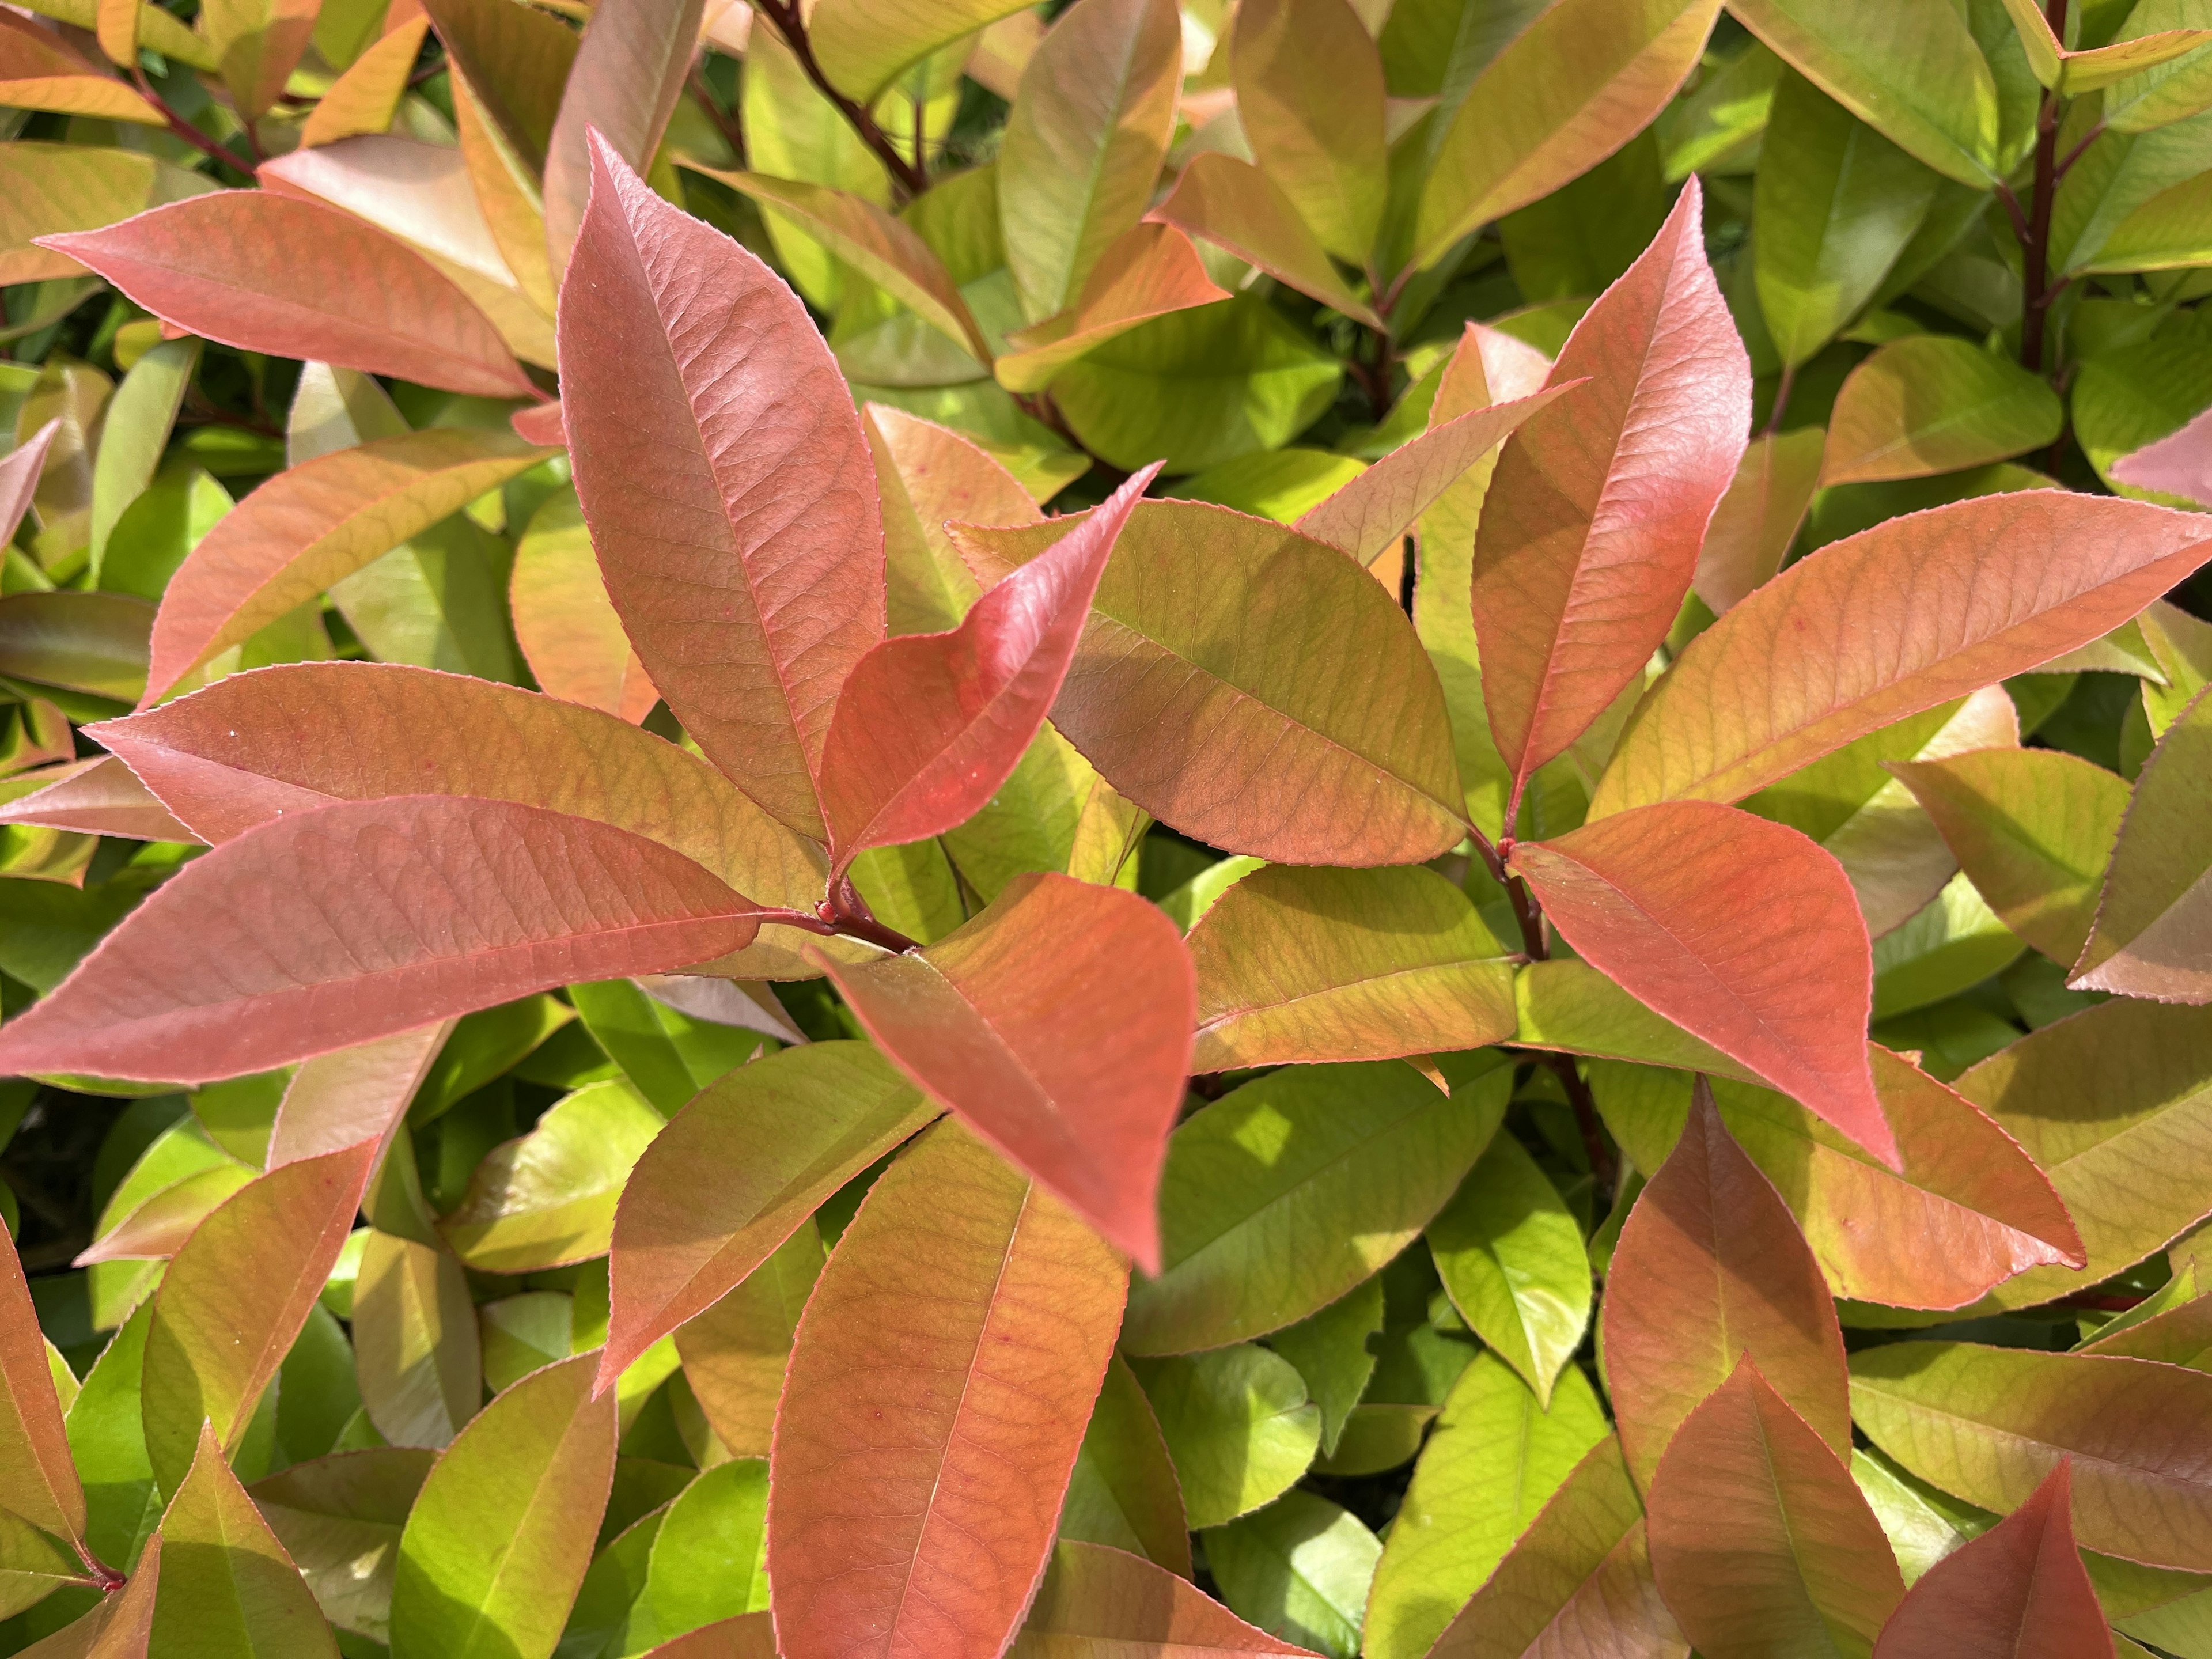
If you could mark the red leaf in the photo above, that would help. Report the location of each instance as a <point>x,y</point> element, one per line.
<point>937,1394</point>
<point>19,477</point>
<point>1740,930</point>
<point>729,493</point>
<point>1590,532</point>
<point>331,927</point>
<point>930,725</point>
<point>2019,1592</point>
<point>98,798</point>
<point>355,1095</point>
<point>540,423</point>
<point>2179,464</point>
<point>628,72</point>
<point>39,1484</point>
<point>271,273</point>
<point>1760,1540</point>
<point>1057,1023</point>
<point>1098,1602</point>
<point>566,624</point>
<point>1710,1267</point>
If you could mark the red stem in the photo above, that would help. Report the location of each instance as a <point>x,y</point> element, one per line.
<point>784,13</point>
<point>2037,293</point>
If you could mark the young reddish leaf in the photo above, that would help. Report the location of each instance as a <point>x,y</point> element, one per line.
<point>2151,937</point>
<point>1741,931</point>
<point>564,621</point>
<point>267,273</point>
<point>499,1539</point>
<point>258,44</point>
<point>1590,532</point>
<point>390,913</point>
<point>1147,272</point>
<point>20,471</point>
<point>1577,1581</point>
<point>38,1478</point>
<point>1300,965</point>
<point>1253,688</point>
<point>748,1635</point>
<point>1709,1268</point>
<point>628,75</point>
<point>2179,464</point>
<point>933,1405</point>
<point>1760,1540</point>
<point>365,98</point>
<point>251,748</point>
<point>2019,1592</point>
<point>1943,603</point>
<point>2032,828</point>
<point>225,1584</point>
<point>929,726</point>
<point>1234,205</point>
<point>355,1095</point>
<point>1097,1602</point>
<point>930,476</point>
<point>540,423</point>
<point>312,526</point>
<point>98,798</point>
<point>1376,509</point>
<point>721,468</point>
<point>1934,403</point>
<point>1057,1024</point>
<point>1310,98</point>
<point>1758,518</point>
<point>234,1298</point>
<point>157,1229</point>
<point>1989,1426</point>
<point>735,1172</point>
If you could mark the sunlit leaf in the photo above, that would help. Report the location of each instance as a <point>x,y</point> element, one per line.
<point>226,1584</point>
<point>1511,1256</point>
<point>416,1350</point>
<point>1238,1425</point>
<point>1935,403</point>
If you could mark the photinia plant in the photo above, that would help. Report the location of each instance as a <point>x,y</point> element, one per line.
<point>1264,826</point>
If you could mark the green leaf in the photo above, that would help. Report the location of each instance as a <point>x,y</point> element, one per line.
<point>1310,98</point>
<point>1494,1460</point>
<point>1935,403</point>
<point>2172,91</point>
<point>2149,939</point>
<point>1954,942</point>
<point>415,1342</point>
<point>1238,1425</point>
<point>107,1441</point>
<point>710,1560</point>
<point>1299,1569</point>
<point>228,1589</point>
<point>668,1055</point>
<point>339,1518</point>
<point>1282,1196</point>
<point>1123,1492</point>
<point>548,1200</point>
<point>863,44</point>
<point>132,435</point>
<point>1569,1006</point>
<point>1511,1256</point>
<point>2130,183</point>
<point>498,1540</point>
<point>792,132</point>
<point>1282,484</point>
<point>1334,1350</point>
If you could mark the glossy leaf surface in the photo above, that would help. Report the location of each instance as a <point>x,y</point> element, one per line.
<point>1095,1602</point>
<point>2149,936</point>
<point>1931,403</point>
<point>226,1585</point>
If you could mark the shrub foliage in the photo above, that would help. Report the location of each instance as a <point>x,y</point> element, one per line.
<point>1303,826</point>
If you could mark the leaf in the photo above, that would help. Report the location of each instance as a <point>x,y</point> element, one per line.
<point>226,1586</point>
<point>20,471</point>
<point>1759,519</point>
<point>1311,98</point>
<point>1074,1074</point>
<point>2032,828</point>
<point>2071,72</point>
<point>863,44</point>
<point>1284,1195</point>
<point>2115,1106</point>
<point>36,71</point>
<point>1916,75</point>
<point>313,525</point>
<point>628,75</point>
<point>1989,1426</point>
<point>1760,1539</point>
<point>2018,1590</point>
<point>1299,965</point>
<point>750,1637</point>
<point>665,1053</point>
<point>716,455</point>
<point>234,1300</point>
<point>64,187</point>
<point>1573,86</point>
<point>1709,1268</point>
<point>38,1482</point>
<point>1095,1601</point>
<point>1935,403</point>
<point>1874,1232</point>
<point>271,273</point>
<point>708,1557</point>
<point>1124,1491</point>
<point>2147,937</point>
<point>1590,532</point>
<point>1367,515</point>
<point>929,726</point>
<point>548,1199</point>
<point>365,98</point>
<point>94,643</point>
<point>515,63</point>
<point>1236,206</point>
<point>1490,1466</point>
<point>397,912</point>
<point>930,476</point>
<point>564,621</point>
<point>134,431</point>
<point>1329,746</point>
<point>257,43</point>
<point>1511,1256</point>
<point>498,1541</point>
<point>1238,1424</point>
<point>1147,272</point>
<point>339,1518</point>
<point>1735,929</point>
<point>1083,142</point>
<point>417,1348</point>
<point>734,1353</point>
<point>2016,580</point>
<point>934,1404</point>
<point>247,748</point>
<point>736,1172</point>
<point>1583,1571</point>
<point>1301,1566</point>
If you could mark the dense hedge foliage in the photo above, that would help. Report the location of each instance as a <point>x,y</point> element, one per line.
<point>892,826</point>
